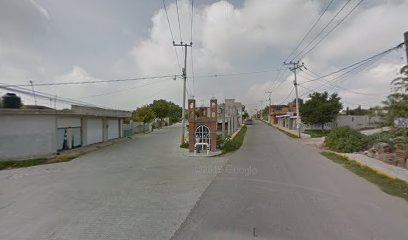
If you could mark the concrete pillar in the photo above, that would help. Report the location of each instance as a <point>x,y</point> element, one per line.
<point>105,129</point>
<point>84,127</point>
<point>120,128</point>
<point>229,125</point>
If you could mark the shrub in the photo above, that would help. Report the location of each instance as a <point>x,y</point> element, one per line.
<point>345,139</point>
<point>221,141</point>
<point>235,144</point>
<point>385,137</point>
<point>184,145</point>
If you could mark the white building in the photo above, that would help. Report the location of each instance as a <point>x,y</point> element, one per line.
<point>230,113</point>
<point>35,133</point>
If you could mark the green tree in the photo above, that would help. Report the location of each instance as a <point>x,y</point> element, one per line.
<point>396,103</point>
<point>143,114</point>
<point>245,115</point>
<point>161,108</point>
<point>174,112</point>
<point>320,108</point>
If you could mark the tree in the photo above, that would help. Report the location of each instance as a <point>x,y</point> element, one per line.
<point>143,114</point>
<point>245,115</point>
<point>396,104</point>
<point>161,108</point>
<point>320,108</point>
<point>265,113</point>
<point>174,112</point>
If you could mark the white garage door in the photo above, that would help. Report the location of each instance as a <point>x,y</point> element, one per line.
<point>113,128</point>
<point>94,131</point>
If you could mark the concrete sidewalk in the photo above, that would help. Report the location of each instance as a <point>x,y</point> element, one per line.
<point>378,165</point>
<point>303,135</point>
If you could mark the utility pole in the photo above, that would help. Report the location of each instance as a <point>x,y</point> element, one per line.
<point>183,120</point>
<point>32,88</point>
<point>294,67</point>
<point>270,104</point>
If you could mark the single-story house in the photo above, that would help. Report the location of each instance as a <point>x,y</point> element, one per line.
<point>35,133</point>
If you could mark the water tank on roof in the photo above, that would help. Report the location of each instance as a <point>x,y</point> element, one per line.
<point>11,100</point>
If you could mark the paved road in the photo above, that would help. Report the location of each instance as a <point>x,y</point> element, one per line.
<point>141,189</point>
<point>286,190</point>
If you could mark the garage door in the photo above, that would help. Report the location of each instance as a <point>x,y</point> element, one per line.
<point>94,131</point>
<point>113,128</point>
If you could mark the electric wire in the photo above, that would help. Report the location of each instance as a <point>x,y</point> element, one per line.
<point>322,30</point>
<point>178,19</point>
<point>310,30</point>
<point>331,30</point>
<point>358,63</point>
<point>171,33</point>
<point>94,82</point>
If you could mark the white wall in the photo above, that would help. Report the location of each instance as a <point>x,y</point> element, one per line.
<point>113,128</point>
<point>357,122</point>
<point>23,136</point>
<point>94,130</point>
<point>64,122</point>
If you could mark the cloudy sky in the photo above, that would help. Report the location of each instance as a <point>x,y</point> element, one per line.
<point>89,40</point>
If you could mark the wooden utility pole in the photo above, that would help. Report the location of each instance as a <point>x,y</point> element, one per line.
<point>183,120</point>
<point>294,68</point>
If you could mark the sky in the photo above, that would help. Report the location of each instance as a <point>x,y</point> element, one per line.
<point>54,41</point>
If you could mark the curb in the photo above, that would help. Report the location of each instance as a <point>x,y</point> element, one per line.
<point>367,166</point>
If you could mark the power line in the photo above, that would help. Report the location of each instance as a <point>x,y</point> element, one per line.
<point>94,82</point>
<point>330,84</point>
<point>43,95</point>
<point>324,28</point>
<point>340,77</point>
<point>310,30</point>
<point>171,33</point>
<point>344,76</point>
<point>290,93</point>
<point>122,90</point>
<point>310,90</point>
<point>150,96</point>
<point>331,30</point>
<point>237,74</point>
<point>358,63</point>
<point>178,19</point>
<point>191,40</point>
<point>192,17</point>
<point>279,75</point>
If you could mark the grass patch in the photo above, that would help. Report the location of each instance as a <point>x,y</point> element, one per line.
<point>235,143</point>
<point>316,133</point>
<point>184,145</point>
<point>393,186</point>
<point>292,135</point>
<point>34,162</point>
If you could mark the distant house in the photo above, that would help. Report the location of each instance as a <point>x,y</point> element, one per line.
<point>281,114</point>
<point>230,114</point>
<point>31,133</point>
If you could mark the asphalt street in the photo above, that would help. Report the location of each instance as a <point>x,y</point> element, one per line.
<point>140,189</point>
<point>274,187</point>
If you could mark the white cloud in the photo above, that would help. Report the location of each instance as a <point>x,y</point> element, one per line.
<point>227,38</point>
